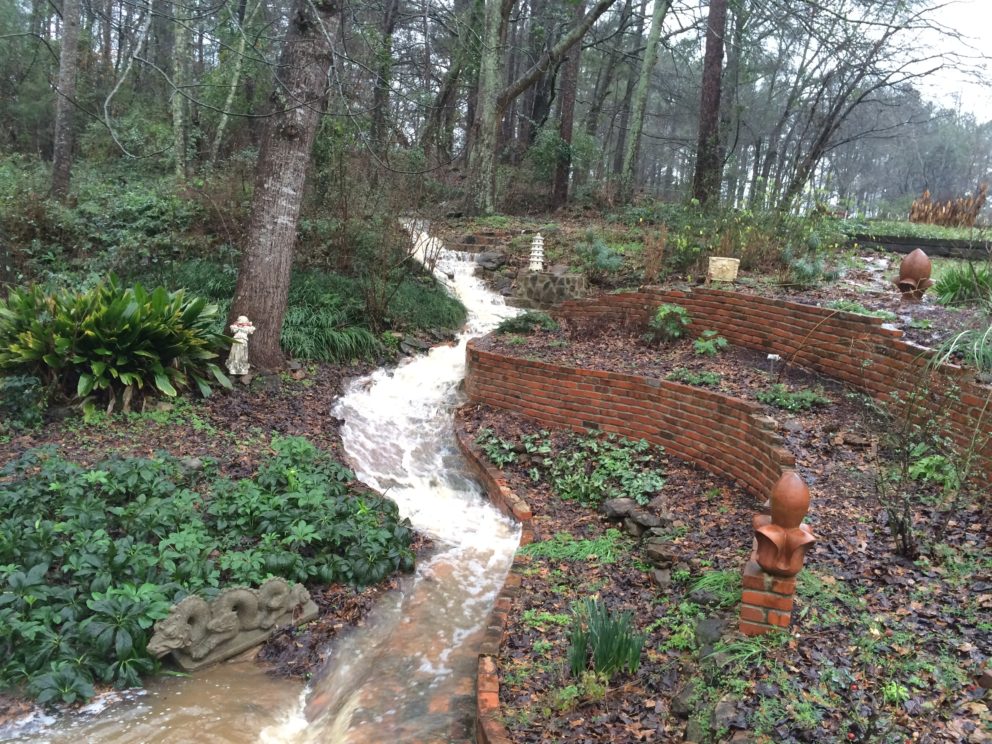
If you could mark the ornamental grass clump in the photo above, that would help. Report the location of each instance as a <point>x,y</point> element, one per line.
<point>605,639</point>
<point>112,341</point>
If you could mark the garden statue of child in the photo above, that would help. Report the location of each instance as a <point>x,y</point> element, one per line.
<point>237,359</point>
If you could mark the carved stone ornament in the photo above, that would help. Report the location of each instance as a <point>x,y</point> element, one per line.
<point>237,358</point>
<point>781,539</point>
<point>914,276</point>
<point>199,633</point>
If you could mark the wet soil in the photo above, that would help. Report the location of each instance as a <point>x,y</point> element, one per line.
<point>883,648</point>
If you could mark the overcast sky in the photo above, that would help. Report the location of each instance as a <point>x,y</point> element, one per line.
<point>973,19</point>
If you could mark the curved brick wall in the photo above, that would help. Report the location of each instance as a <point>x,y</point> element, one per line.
<point>723,435</point>
<point>855,349</point>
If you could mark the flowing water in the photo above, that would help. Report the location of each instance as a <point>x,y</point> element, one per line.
<point>408,675</point>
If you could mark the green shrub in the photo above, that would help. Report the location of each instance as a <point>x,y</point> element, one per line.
<point>605,639</point>
<point>707,379</point>
<point>22,403</point>
<point>973,346</point>
<point>709,343</point>
<point>802,400</point>
<point>669,323</point>
<point>91,557</point>
<point>965,284</point>
<point>527,322</point>
<point>597,258</point>
<point>111,339</point>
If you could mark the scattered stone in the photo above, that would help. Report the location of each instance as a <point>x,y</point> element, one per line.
<point>644,518</point>
<point>704,597</point>
<point>985,681</point>
<point>726,715</point>
<point>694,731</point>
<point>684,701</point>
<point>294,366</point>
<point>490,260</point>
<point>617,508</point>
<point>793,425</point>
<point>660,554</point>
<point>709,630</point>
<point>410,345</point>
<point>192,463</point>
<point>246,379</point>
<point>741,737</point>
<point>632,528</point>
<point>662,577</point>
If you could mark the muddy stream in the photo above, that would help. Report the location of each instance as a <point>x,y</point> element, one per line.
<point>407,675</point>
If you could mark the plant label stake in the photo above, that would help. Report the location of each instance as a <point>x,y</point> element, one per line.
<point>237,359</point>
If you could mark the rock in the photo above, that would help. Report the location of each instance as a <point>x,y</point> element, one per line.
<point>985,680</point>
<point>617,508</point>
<point>793,425</point>
<point>632,528</point>
<point>192,463</point>
<point>658,505</point>
<point>741,737</point>
<point>662,577</point>
<point>246,379</point>
<point>415,343</point>
<point>694,731</point>
<point>294,366</point>
<point>704,597</point>
<point>709,630</point>
<point>490,260</point>
<point>684,701</point>
<point>559,269</point>
<point>726,715</point>
<point>644,518</point>
<point>662,555</point>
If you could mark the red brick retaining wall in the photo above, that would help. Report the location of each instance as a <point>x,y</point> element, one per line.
<point>489,729</point>
<point>855,349</point>
<point>721,434</point>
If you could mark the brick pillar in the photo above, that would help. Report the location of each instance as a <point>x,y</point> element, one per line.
<point>766,603</point>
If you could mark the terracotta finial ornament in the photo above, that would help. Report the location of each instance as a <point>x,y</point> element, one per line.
<point>781,539</point>
<point>914,276</point>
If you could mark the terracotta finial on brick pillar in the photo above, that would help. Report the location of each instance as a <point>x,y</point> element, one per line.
<point>780,544</point>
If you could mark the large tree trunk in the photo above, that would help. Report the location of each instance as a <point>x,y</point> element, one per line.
<point>66,93</point>
<point>639,102</point>
<point>482,161</point>
<point>709,155</point>
<point>383,76</point>
<point>297,101</point>
<point>569,84</point>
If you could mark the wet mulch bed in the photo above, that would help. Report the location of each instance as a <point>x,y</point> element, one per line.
<point>883,647</point>
<point>234,429</point>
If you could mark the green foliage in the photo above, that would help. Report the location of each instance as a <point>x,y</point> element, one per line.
<point>605,639</point>
<point>564,547</point>
<point>707,379</point>
<point>781,397</point>
<point>855,307</point>
<point>709,343</point>
<point>594,468</point>
<point>965,284</point>
<point>22,403</point>
<point>805,270</point>
<point>548,150</point>
<point>91,557</point>
<point>499,451</point>
<point>527,322</point>
<point>111,339</point>
<point>668,323</point>
<point>597,259</point>
<point>973,346</point>
<point>725,586</point>
<point>905,229</point>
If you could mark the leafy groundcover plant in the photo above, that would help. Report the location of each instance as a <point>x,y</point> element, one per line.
<point>91,557</point>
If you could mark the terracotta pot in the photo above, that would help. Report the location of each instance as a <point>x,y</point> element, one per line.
<point>915,266</point>
<point>789,500</point>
